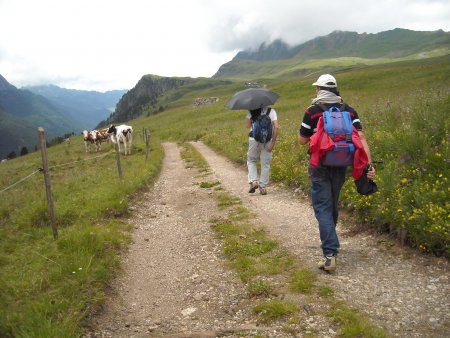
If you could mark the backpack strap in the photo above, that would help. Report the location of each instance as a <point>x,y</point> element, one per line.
<point>348,130</point>
<point>321,106</point>
<point>348,125</point>
<point>326,119</point>
<point>328,125</point>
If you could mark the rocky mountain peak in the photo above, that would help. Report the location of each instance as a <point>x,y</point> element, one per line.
<point>5,85</point>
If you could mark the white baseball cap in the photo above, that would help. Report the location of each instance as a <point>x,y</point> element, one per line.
<point>326,80</point>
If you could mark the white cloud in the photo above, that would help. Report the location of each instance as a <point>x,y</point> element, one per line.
<point>102,45</point>
<point>299,21</point>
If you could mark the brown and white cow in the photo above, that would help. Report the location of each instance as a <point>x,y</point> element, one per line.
<point>101,136</point>
<point>90,138</point>
<point>95,137</point>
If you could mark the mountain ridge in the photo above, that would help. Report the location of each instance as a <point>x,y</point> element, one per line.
<point>58,110</point>
<point>87,107</point>
<point>22,112</point>
<point>144,96</point>
<point>400,42</point>
<point>394,43</point>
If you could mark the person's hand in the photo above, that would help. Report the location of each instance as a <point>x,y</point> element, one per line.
<point>371,172</point>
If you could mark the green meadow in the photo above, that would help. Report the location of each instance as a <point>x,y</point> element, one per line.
<point>49,287</point>
<point>404,108</point>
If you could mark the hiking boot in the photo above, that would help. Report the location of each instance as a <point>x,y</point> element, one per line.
<point>263,191</point>
<point>328,263</point>
<point>253,187</point>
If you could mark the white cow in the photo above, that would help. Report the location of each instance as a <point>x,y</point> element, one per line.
<point>122,134</point>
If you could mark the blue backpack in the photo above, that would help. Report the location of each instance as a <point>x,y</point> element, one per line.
<point>262,127</point>
<point>338,125</point>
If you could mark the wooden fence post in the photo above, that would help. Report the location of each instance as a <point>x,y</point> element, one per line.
<point>147,142</point>
<point>119,167</point>
<point>43,145</point>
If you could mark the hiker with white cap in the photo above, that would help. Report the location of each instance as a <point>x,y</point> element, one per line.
<point>326,179</point>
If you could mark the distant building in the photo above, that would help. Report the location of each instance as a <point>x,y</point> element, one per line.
<point>252,84</point>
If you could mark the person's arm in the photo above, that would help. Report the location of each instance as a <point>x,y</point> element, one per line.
<point>248,123</point>
<point>302,139</point>
<point>304,132</point>
<point>362,137</point>
<point>274,135</point>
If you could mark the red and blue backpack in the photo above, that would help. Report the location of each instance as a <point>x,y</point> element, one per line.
<point>338,125</point>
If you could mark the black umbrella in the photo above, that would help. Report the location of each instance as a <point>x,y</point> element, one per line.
<point>364,185</point>
<point>252,98</point>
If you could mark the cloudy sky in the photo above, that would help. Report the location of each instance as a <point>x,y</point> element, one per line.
<point>110,44</point>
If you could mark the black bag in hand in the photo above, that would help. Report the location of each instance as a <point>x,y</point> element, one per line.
<point>365,186</point>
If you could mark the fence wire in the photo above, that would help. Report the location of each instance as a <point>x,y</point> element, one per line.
<point>55,166</point>
<point>23,179</point>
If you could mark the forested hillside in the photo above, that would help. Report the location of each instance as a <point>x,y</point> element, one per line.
<point>22,112</point>
<point>87,108</point>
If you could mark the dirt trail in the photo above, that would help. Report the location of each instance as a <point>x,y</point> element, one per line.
<point>174,280</point>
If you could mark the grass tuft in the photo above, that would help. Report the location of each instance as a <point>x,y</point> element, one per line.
<point>274,309</point>
<point>259,288</point>
<point>303,280</point>
<point>354,324</point>
<point>325,291</point>
<point>209,184</point>
<point>193,158</point>
<point>226,200</point>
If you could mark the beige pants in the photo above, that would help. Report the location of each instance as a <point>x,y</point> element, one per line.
<point>257,151</point>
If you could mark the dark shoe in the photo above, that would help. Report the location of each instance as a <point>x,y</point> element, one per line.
<point>263,191</point>
<point>328,263</point>
<point>253,187</point>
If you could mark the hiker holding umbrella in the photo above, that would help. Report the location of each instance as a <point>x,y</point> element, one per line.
<point>263,125</point>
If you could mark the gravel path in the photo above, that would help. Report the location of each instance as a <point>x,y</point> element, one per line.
<point>175,283</point>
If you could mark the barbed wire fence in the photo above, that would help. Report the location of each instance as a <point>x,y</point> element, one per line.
<point>48,189</point>
<point>45,170</point>
<point>20,181</point>
<point>54,166</point>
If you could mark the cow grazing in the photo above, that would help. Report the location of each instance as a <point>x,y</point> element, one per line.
<point>95,137</point>
<point>122,134</point>
<point>90,138</point>
<point>101,136</point>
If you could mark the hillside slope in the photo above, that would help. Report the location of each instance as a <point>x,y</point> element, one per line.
<point>144,96</point>
<point>87,108</point>
<point>22,112</point>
